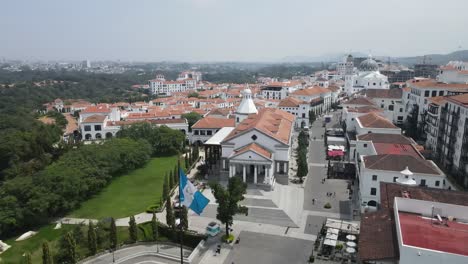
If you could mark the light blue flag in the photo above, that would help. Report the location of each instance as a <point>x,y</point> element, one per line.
<point>190,196</point>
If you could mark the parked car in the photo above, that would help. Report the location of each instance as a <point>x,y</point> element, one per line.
<point>213,229</point>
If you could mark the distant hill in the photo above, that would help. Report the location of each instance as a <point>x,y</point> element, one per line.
<point>439,59</point>
<point>335,57</point>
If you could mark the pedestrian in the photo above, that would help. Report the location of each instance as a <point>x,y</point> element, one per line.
<point>313,200</point>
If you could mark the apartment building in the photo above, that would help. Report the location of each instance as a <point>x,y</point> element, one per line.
<point>452,137</point>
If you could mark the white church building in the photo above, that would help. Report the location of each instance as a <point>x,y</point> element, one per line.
<point>368,77</point>
<point>259,146</point>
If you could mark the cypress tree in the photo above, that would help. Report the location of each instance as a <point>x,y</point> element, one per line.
<point>170,219</point>
<point>132,229</point>
<point>70,248</point>
<point>113,234</point>
<point>176,175</point>
<point>46,257</point>
<point>92,239</point>
<point>187,164</point>
<point>171,183</point>
<point>165,187</point>
<point>27,259</point>
<point>154,227</point>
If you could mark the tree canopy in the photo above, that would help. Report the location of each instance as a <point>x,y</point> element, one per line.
<point>228,200</point>
<point>192,118</point>
<point>163,140</point>
<point>28,201</point>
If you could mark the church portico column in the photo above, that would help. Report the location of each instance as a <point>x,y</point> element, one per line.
<point>266,174</point>
<point>244,177</point>
<point>255,174</point>
<point>230,170</point>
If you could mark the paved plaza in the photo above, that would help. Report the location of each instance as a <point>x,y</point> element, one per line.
<point>261,248</point>
<point>315,189</point>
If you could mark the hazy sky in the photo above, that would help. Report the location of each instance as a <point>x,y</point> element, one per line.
<point>218,30</point>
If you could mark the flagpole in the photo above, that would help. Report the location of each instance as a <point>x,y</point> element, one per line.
<point>180,218</point>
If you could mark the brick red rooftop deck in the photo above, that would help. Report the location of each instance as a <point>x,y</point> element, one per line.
<point>397,149</point>
<point>418,232</point>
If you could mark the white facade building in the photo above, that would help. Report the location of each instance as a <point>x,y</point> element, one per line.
<point>415,99</point>
<point>280,90</point>
<point>259,147</point>
<point>431,232</point>
<point>160,86</point>
<point>454,72</point>
<point>373,169</point>
<point>187,75</point>
<point>298,108</point>
<point>368,77</point>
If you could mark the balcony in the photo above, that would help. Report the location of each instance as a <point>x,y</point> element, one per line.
<point>433,111</point>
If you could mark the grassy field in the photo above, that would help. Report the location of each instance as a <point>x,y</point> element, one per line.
<point>129,194</point>
<point>33,245</point>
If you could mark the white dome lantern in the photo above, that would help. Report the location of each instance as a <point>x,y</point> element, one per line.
<point>406,177</point>
<point>246,107</point>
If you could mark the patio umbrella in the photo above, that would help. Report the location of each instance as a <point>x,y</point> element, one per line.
<point>350,244</point>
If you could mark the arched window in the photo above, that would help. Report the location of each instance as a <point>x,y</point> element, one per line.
<point>98,136</point>
<point>372,203</point>
<point>108,135</point>
<point>88,136</point>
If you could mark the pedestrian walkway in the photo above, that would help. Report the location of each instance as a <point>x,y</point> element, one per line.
<point>165,253</point>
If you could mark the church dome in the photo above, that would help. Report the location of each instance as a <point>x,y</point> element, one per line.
<point>369,65</point>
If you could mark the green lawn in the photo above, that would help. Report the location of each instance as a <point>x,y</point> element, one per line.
<point>33,244</point>
<point>129,194</point>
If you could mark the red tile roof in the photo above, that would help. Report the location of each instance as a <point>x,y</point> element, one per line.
<point>373,120</point>
<point>389,190</point>
<point>364,109</point>
<point>95,119</point>
<point>396,149</point>
<point>255,148</point>
<point>315,90</point>
<point>214,122</point>
<point>290,102</point>
<point>461,99</point>
<point>101,108</point>
<point>386,138</point>
<point>394,93</point>
<point>377,240</point>
<point>438,100</point>
<point>430,83</point>
<point>219,111</point>
<point>359,101</point>
<point>271,121</point>
<point>392,162</point>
